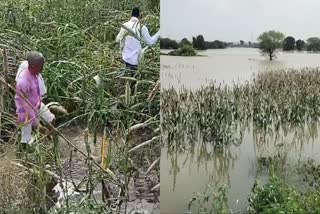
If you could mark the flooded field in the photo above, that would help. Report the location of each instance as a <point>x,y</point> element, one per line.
<point>226,65</point>
<point>187,172</point>
<point>234,135</point>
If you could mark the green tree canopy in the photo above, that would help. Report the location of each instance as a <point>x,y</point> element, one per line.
<point>313,44</point>
<point>167,43</point>
<point>184,42</point>
<point>199,43</point>
<point>300,44</point>
<point>289,43</point>
<point>270,41</point>
<point>216,45</point>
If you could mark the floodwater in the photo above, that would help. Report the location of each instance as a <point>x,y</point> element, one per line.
<point>183,174</point>
<point>226,65</point>
<point>188,172</point>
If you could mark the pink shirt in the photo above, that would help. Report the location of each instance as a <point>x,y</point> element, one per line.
<point>27,84</point>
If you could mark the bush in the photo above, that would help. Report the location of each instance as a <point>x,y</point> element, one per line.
<point>87,207</point>
<point>185,50</point>
<point>279,197</point>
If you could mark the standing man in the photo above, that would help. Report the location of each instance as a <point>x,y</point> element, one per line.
<point>129,44</point>
<point>30,88</point>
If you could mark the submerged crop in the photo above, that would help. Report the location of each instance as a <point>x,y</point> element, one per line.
<point>218,114</point>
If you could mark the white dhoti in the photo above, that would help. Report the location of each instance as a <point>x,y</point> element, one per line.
<point>26,129</point>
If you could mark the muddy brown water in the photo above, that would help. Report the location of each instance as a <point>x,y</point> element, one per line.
<point>183,174</point>
<point>226,65</point>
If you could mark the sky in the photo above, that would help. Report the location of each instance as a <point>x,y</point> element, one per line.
<point>234,20</point>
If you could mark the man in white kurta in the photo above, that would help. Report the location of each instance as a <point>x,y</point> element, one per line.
<point>129,44</point>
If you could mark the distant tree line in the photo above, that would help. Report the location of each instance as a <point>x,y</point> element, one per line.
<point>166,43</point>
<point>272,40</point>
<point>290,44</point>
<point>312,44</point>
<point>243,44</point>
<point>197,43</point>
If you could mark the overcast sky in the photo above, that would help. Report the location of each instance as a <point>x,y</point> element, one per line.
<point>232,20</point>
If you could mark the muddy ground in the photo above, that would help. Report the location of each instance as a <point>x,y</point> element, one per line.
<point>142,199</point>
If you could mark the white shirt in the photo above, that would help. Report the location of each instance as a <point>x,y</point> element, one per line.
<point>131,46</point>
<point>42,88</point>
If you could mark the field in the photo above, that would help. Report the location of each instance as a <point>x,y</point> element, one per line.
<point>106,138</point>
<point>278,110</point>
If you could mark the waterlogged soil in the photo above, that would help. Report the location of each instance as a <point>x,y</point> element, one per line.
<point>145,201</point>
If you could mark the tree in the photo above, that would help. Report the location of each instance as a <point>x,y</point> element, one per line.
<point>241,42</point>
<point>218,44</point>
<point>199,43</point>
<point>215,45</point>
<point>299,44</point>
<point>194,42</point>
<point>167,43</point>
<point>313,44</point>
<point>269,42</point>
<point>289,43</point>
<point>250,44</point>
<point>184,41</point>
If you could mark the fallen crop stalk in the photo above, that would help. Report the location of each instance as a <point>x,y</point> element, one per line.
<point>151,166</point>
<point>156,187</point>
<point>144,144</point>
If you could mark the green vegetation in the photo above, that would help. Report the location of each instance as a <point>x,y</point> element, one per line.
<point>77,40</point>
<point>197,43</point>
<point>300,44</point>
<point>269,42</point>
<point>272,105</point>
<point>274,100</point>
<point>210,202</point>
<point>273,195</point>
<point>185,50</point>
<point>87,207</point>
<point>184,42</point>
<point>289,43</point>
<point>277,196</point>
<point>216,45</point>
<point>313,44</point>
<point>167,43</point>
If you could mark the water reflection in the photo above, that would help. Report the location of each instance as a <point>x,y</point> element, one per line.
<point>237,166</point>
